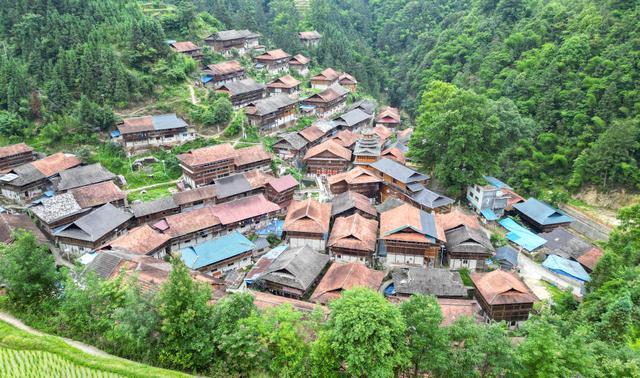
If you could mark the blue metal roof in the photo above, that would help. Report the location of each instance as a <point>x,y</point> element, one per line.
<point>566,267</point>
<point>206,79</point>
<point>521,235</point>
<point>489,215</point>
<point>216,250</point>
<point>541,212</point>
<point>497,183</point>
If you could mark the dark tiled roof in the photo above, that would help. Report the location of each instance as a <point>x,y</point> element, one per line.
<point>352,117</point>
<point>82,176</point>
<point>296,267</point>
<point>96,224</point>
<point>432,281</point>
<point>230,186</point>
<point>542,213</point>
<point>242,86</point>
<point>12,222</point>
<point>431,199</point>
<point>465,239</point>
<point>349,200</point>
<point>151,207</point>
<point>270,104</point>
<point>398,171</point>
<point>294,139</point>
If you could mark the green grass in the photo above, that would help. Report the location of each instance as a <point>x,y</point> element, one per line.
<point>152,193</point>
<point>25,355</point>
<point>466,278</point>
<point>555,291</point>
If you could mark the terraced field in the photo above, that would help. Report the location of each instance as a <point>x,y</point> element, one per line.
<point>36,363</point>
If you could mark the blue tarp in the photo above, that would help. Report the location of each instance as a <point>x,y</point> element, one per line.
<point>206,79</point>
<point>489,215</point>
<point>115,134</point>
<point>496,182</point>
<point>390,290</point>
<point>566,267</point>
<point>274,227</point>
<point>522,236</point>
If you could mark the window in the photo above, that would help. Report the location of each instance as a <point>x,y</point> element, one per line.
<point>465,262</point>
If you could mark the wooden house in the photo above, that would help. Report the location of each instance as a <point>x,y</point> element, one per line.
<point>396,177</point>
<point>348,82</point>
<point>273,61</point>
<point>357,180</point>
<point>367,149</point>
<point>346,138</point>
<point>468,248</point>
<point>152,211</point>
<point>286,84</point>
<point>395,154</point>
<point>289,146</point>
<point>312,134</point>
<point>439,282</point>
<point>541,216</point>
<point>307,223</point>
<point>142,133</point>
<point>195,198</point>
<point>411,237</point>
<point>222,73</point>
<point>188,48</point>
<point>326,103</point>
<point>250,158</point>
<point>143,240</point>
<point>325,79</point>
<point>294,272</point>
<point>345,276</point>
<point>349,203</point>
<point>327,158</point>
<point>503,296</point>
<point>243,92</point>
<point>353,239</point>
<point>389,117</point>
<point>225,42</point>
<point>203,165</point>
<point>272,112</point>
<point>353,119</point>
<point>220,255</point>
<point>310,38</point>
<point>280,190</point>
<point>300,64</point>
<point>92,230</point>
<point>27,181</point>
<point>15,155</point>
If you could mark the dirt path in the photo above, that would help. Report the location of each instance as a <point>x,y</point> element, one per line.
<point>76,344</point>
<point>192,92</point>
<point>151,186</point>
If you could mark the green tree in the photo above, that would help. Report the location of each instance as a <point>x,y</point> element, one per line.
<point>185,319</point>
<point>455,136</point>
<point>426,341</point>
<point>364,335</point>
<point>27,269</point>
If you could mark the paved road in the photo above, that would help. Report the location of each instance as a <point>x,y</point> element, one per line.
<point>533,272</point>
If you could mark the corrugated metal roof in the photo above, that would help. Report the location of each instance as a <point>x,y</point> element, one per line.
<point>521,235</point>
<point>541,212</point>
<point>566,267</point>
<point>216,250</point>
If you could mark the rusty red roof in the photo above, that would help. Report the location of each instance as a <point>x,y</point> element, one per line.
<point>354,232</point>
<point>308,216</point>
<point>56,163</point>
<point>499,287</point>
<point>273,55</point>
<point>341,276</point>
<point>97,194</point>
<point>283,183</point>
<point>311,133</point>
<point>286,81</point>
<point>206,155</point>
<point>140,240</point>
<point>225,67</point>
<point>185,46</point>
<point>331,146</point>
<point>328,74</point>
<point>243,209</point>
<point>14,149</point>
<point>299,59</point>
<point>249,155</point>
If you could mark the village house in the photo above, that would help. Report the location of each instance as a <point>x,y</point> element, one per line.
<point>240,185</point>
<point>328,127</point>
<point>541,216</point>
<point>288,146</point>
<point>220,255</point>
<point>222,73</point>
<point>389,117</point>
<point>326,103</point>
<point>353,120</point>
<point>327,158</point>
<point>348,82</point>
<point>349,203</point>
<point>27,181</point>
<point>246,214</point>
<point>286,84</point>
<point>562,243</point>
<point>571,270</point>
<point>92,230</point>
<point>300,64</point>
<point>492,199</point>
<point>294,272</point>
<point>365,105</point>
<point>10,223</point>
<point>345,276</point>
<point>188,48</point>
<point>312,134</point>
<point>250,158</point>
<point>428,200</point>
<point>353,239</point>
<point>367,149</point>
<point>273,61</point>
<point>243,92</point>
<point>151,211</point>
<point>142,240</point>
<point>280,190</point>
<point>189,228</point>
<point>307,223</point>
<point>468,248</point>
<point>395,154</point>
<point>270,113</point>
<point>357,180</point>
<point>94,195</point>
<point>396,178</point>
<point>195,198</point>
<point>410,237</point>
<point>82,176</point>
<point>225,42</point>
<point>506,257</point>
<point>346,138</point>
<point>142,133</point>
<point>383,133</point>
<point>439,282</point>
<point>203,165</point>
<point>15,155</point>
<point>325,79</point>
<point>503,296</point>
<point>310,38</point>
